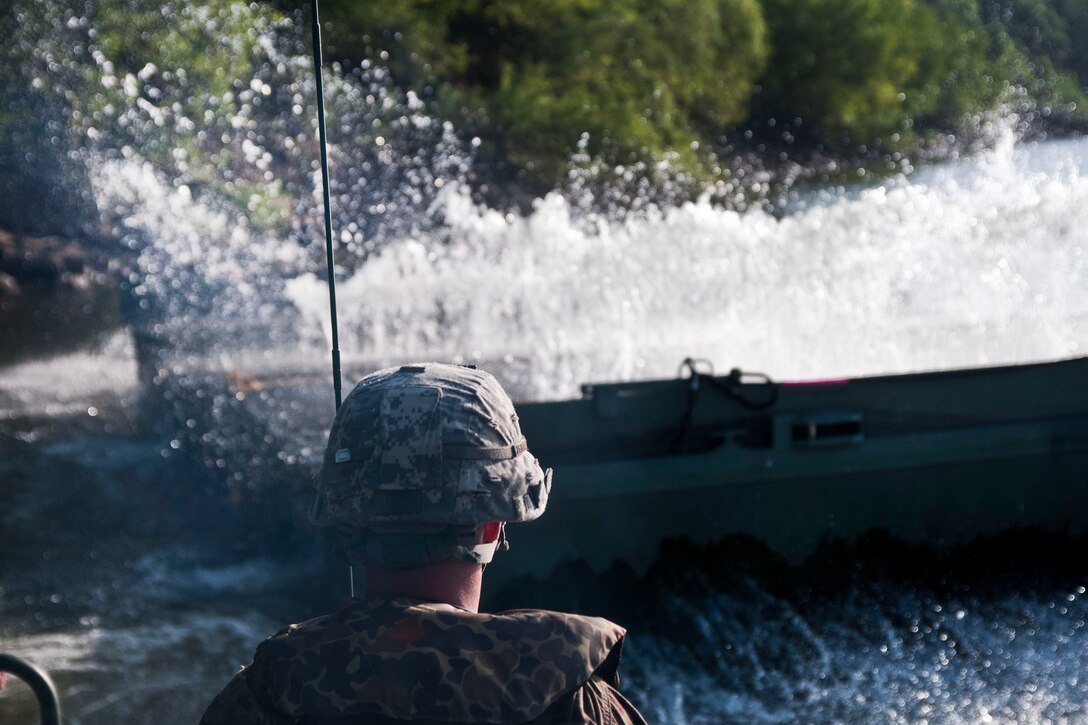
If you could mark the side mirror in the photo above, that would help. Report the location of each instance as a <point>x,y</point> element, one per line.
<point>40,685</point>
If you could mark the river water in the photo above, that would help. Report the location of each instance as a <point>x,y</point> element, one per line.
<point>136,572</point>
<point>149,530</point>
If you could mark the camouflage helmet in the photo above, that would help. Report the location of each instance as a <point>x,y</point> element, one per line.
<point>422,448</point>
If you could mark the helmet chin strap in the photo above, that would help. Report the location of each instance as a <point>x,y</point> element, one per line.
<point>486,552</point>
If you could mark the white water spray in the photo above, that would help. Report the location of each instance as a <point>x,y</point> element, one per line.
<point>974,263</point>
<point>977,262</point>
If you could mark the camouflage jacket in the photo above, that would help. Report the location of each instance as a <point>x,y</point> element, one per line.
<point>404,660</point>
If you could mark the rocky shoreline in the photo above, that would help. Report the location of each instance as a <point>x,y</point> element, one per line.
<point>47,262</point>
<point>57,294</point>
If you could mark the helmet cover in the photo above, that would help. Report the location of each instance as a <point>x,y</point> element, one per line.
<point>424,445</point>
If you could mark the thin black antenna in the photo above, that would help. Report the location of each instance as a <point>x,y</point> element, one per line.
<point>336,384</point>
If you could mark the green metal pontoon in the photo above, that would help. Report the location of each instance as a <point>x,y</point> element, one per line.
<point>937,457</point>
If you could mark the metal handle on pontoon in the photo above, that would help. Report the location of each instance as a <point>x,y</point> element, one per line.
<point>40,684</point>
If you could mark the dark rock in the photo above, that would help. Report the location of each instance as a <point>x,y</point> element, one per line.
<point>9,286</point>
<point>56,294</point>
<point>44,260</point>
<point>7,247</point>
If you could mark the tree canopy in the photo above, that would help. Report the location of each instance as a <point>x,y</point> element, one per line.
<point>636,79</point>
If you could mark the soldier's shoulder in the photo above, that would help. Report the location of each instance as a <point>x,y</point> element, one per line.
<point>420,661</point>
<point>236,704</point>
<point>588,641</point>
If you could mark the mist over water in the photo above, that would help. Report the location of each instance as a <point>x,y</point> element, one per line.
<point>140,587</point>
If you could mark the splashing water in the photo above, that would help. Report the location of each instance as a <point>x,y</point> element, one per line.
<point>886,656</point>
<point>118,674</point>
<point>976,263</point>
<point>979,263</point>
<point>971,263</point>
<point>70,383</point>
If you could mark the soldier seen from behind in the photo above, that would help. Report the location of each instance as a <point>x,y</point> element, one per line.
<point>425,466</point>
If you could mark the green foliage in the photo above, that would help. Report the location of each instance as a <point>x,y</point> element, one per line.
<point>1001,50</point>
<point>37,180</point>
<point>847,65</point>
<point>643,80</point>
<point>1037,27</point>
<point>880,68</point>
<point>963,77</point>
<point>1075,14</point>
<point>181,85</point>
<point>174,81</point>
<point>1048,36</point>
<point>640,77</point>
<point>197,89</point>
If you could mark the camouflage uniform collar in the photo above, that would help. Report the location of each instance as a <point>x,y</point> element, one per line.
<point>417,660</point>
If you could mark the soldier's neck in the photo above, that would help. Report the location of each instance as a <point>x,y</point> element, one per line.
<point>448,582</point>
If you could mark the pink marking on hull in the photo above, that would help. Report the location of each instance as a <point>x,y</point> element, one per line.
<point>815,383</point>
